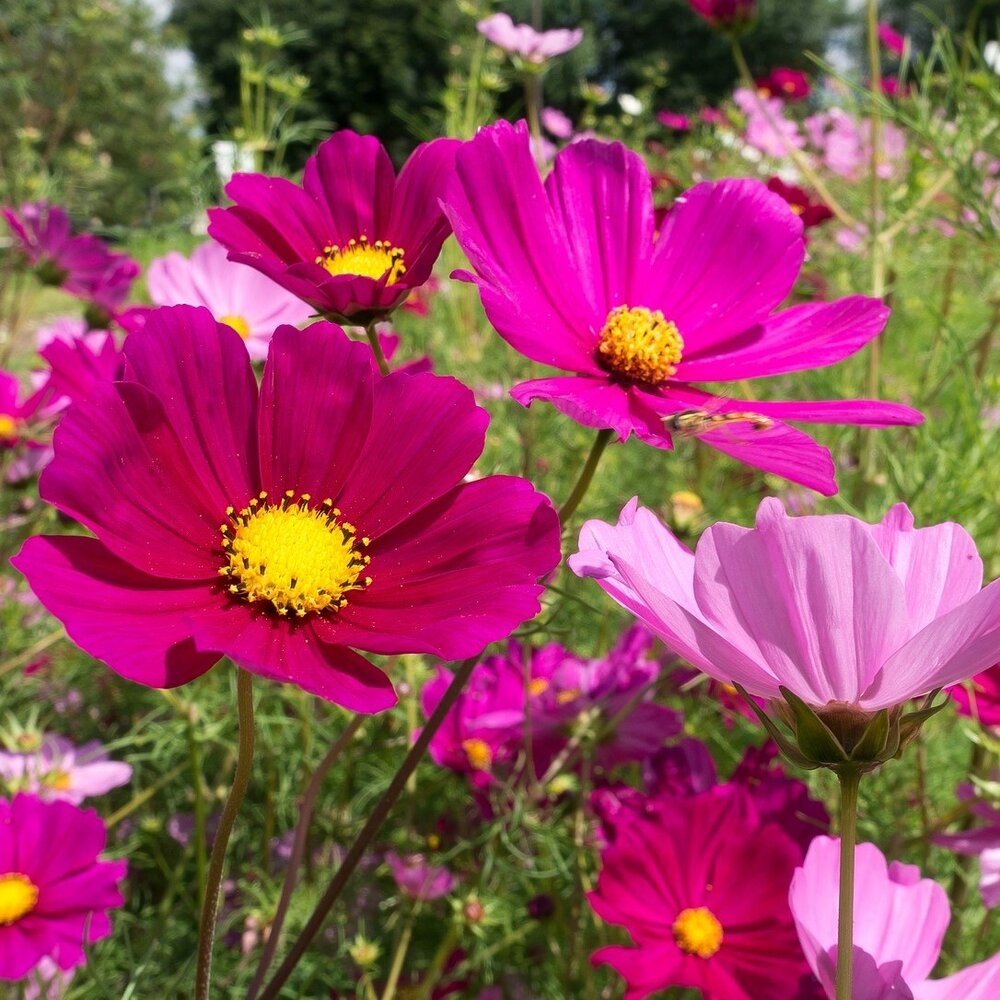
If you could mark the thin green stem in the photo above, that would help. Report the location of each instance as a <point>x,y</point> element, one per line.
<point>849,783</point>
<point>198,790</point>
<point>372,334</point>
<point>568,508</point>
<point>399,956</point>
<point>371,827</point>
<point>216,866</point>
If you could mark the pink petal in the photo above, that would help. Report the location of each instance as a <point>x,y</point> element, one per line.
<point>976,982</point>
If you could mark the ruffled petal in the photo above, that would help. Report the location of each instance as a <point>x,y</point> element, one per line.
<point>136,624</point>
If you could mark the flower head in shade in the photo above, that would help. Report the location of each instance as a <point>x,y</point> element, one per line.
<point>899,924</point>
<point>281,528</point>
<point>419,879</point>
<point>981,841</point>
<point>674,120</point>
<point>703,890</point>
<point>727,14</point>
<point>812,213</point>
<point>849,617</point>
<point>524,42</point>
<point>355,239</point>
<point>572,274</point>
<point>239,296</point>
<point>893,41</point>
<point>54,889</point>
<point>60,770</point>
<point>979,699</point>
<point>784,83</point>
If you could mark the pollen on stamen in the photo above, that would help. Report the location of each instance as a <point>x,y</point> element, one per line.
<point>365,259</point>
<point>297,558</point>
<point>640,344</point>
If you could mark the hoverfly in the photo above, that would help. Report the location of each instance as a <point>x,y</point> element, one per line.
<point>693,423</point>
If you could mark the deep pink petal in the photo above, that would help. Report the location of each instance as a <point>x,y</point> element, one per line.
<point>200,372</point>
<point>806,336</point>
<point>315,410</point>
<point>645,970</point>
<point>135,623</point>
<point>293,653</point>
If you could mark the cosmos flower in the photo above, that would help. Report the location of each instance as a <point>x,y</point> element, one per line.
<point>419,879</point>
<point>60,770</point>
<point>355,239</point>
<point>893,41</point>
<point>556,123</point>
<point>571,275</point>
<point>239,296</point>
<point>784,83</point>
<point>54,890</point>
<point>674,120</point>
<point>16,410</point>
<point>899,924</point>
<point>844,143</point>
<point>703,890</point>
<point>767,128</point>
<point>812,213</point>
<point>980,841</point>
<point>76,366</point>
<point>850,617</point>
<point>524,42</point>
<point>732,14</point>
<point>281,528</point>
<point>980,698</point>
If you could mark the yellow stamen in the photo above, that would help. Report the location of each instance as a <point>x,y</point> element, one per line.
<point>640,344</point>
<point>58,780</point>
<point>298,558</point>
<point>797,209</point>
<point>538,686</point>
<point>8,426</point>
<point>18,896</point>
<point>367,260</point>
<point>478,754</point>
<point>698,932</point>
<point>565,697</point>
<point>238,323</point>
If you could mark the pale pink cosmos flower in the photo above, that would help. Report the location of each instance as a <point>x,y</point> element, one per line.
<point>524,41</point>
<point>767,127</point>
<point>60,770</point>
<point>556,123</point>
<point>834,609</point>
<point>418,878</point>
<point>981,841</point>
<point>235,294</point>
<point>899,924</point>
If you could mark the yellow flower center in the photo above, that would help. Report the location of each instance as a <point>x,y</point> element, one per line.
<point>797,209</point>
<point>698,932</point>
<point>8,426</point>
<point>538,686</point>
<point>478,754</point>
<point>640,344</point>
<point>565,697</point>
<point>58,780</point>
<point>18,896</point>
<point>237,323</point>
<point>367,260</point>
<point>296,557</point>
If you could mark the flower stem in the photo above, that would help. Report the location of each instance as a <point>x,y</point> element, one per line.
<point>306,807</point>
<point>849,782</point>
<point>372,334</point>
<point>568,508</point>
<point>198,790</point>
<point>372,825</point>
<point>241,779</point>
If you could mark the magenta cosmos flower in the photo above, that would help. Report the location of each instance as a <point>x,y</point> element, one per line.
<point>54,890</point>
<point>893,41</point>
<point>282,530</point>
<point>524,41</point>
<point>703,890</point>
<point>234,294</point>
<point>355,239</point>
<point>836,610</point>
<point>724,13</point>
<point>674,120</point>
<point>417,878</point>
<point>787,84</point>
<point>572,275</point>
<point>812,213</point>
<point>980,698</point>
<point>59,770</point>
<point>899,924</point>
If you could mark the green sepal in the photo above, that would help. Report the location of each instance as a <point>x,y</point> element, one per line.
<point>788,748</point>
<point>814,737</point>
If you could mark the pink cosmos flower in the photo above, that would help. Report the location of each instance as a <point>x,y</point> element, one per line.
<point>67,328</point>
<point>767,127</point>
<point>60,770</point>
<point>675,121</point>
<point>236,295</point>
<point>572,275</point>
<point>712,116</point>
<point>785,84</point>
<point>840,612</point>
<point>284,527</point>
<point>845,144</point>
<point>812,213</point>
<point>899,924</point>
<point>419,879</point>
<point>981,841</point>
<point>524,41</point>
<point>556,123</point>
<point>47,981</point>
<point>893,87</point>
<point>54,890</point>
<point>355,239</point>
<point>703,890</point>
<point>724,13</point>
<point>891,38</point>
<point>980,697</point>
<point>16,411</point>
